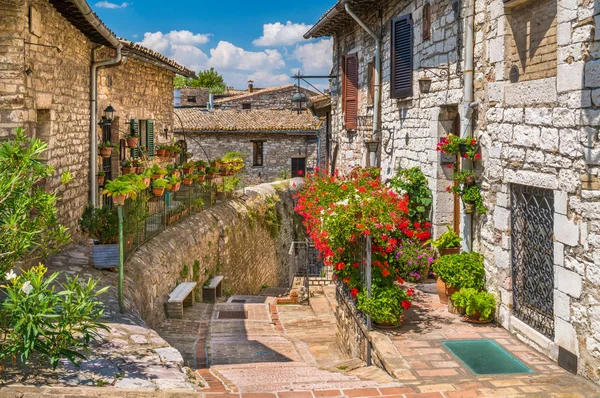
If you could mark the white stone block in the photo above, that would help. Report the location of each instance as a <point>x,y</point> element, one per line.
<point>592,74</point>
<point>561,200</point>
<point>527,177</point>
<point>496,49</point>
<point>502,257</point>
<point>596,94</point>
<point>501,218</point>
<point>513,115</point>
<point>496,150</point>
<point>538,116</point>
<point>528,136</point>
<point>502,199</point>
<point>559,254</point>
<point>549,139</point>
<point>565,336</point>
<point>562,305</point>
<point>573,264</point>
<point>569,77</point>
<point>531,92</point>
<point>496,92</point>
<point>563,35</point>
<point>568,282</point>
<point>592,273</point>
<point>564,117</point>
<point>565,230</point>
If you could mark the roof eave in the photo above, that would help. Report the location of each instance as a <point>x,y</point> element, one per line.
<point>313,32</point>
<point>288,132</point>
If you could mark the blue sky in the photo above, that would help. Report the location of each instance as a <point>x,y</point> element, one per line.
<point>258,40</point>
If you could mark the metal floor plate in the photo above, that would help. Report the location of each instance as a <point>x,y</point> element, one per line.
<point>485,357</point>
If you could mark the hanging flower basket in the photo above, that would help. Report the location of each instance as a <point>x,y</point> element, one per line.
<point>119,199</point>
<point>469,207</point>
<point>105,152</point>
<point>188,181</point>
<point>132,142</point>
<point>158,191</point>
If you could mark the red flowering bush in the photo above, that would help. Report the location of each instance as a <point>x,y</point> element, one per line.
<point>452,145</point>
<point>339,210</point>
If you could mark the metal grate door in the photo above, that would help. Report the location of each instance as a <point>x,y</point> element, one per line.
<point>532,232</point>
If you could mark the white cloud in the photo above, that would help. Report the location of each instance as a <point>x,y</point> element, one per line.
<point>180,46</point>
<point>315,57</point>
<point>278,34</point>
<point>108,4</point>
<point>228,56</point>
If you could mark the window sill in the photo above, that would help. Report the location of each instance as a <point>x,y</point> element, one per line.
<point>258,166</point>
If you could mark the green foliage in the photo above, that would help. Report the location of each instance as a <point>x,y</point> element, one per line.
<point>472,194</point>
<point>28,214</point>
<point>385,304</point>
<point>414,183</point>
<point>272,216</point>
<point>228,292</point>
<point>464,270</point>
<point>414,260</point>
<point>233,156</point>
<point>156,169</point>
<point>101,224</point>
<point>208,78</point>
<point>118,187</point>
<point>37,319</point>
<point>160,183</point>
<point>185,272</point>
<point>475,303</point>
<point>447,240</point>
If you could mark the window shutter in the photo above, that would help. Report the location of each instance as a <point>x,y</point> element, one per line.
<point>134,126</point>
<point>402,57</point>
<point>150,138</point>
<point>350,91</point>
<point>371,82</point>
<point>426,22</point>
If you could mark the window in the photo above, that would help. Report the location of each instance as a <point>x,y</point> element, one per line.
<point>426,22</point>
<point>350,91</point>
<point>402,57</point>
<point>149,142</point>
<point>191,98</point>
<point>257,153</point>
<point>371,83</point>
<point>298,167</point>
<point>246,106</point>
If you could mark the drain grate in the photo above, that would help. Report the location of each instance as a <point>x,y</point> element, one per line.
<point>233,315</point>
<point>485,357</point>
<point>238,301</point>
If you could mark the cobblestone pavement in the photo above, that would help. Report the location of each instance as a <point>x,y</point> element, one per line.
<point>129,356</point>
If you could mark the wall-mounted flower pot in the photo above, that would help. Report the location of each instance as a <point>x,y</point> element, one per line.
<point>119,199</point>
<point>158,191</point>
<point>447,158</point>
<point>469,207</point>
<point>132,142</point>
<point>161,153</point>
<point>105,152</point>
<point>188,181</point>
<point>128,170</point>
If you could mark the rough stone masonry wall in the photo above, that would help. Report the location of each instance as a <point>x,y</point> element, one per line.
<point>52,102</point>
<point>201,95</point>
<point>539,133</point>
<point>232,239</point>
<point>278,150</point>
<point>411,126</point>
<point>280,99</point>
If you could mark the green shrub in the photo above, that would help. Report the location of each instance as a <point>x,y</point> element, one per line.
<point>414,260</point>
<point>386,305</point>
<point>475,302</point>
<point>447,240</point>
<point>101,224</point>
<point>37,319</point>
<point>464,270</point>
<point>414,183</point>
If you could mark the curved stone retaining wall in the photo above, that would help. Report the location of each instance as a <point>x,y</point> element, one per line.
<point>247,240</point>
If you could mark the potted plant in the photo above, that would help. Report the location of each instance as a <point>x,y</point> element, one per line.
<point>139,166</point>
<point>464,177</point>
<point>143,153</point>
<point>188,167</point>
<point>161,152</point>
<point>211,172</point>
<point>146,176</point>
<point>201,176</point>
<point>188,180</point>
<point>478,306</point>
<point>448,242</point>
<point>157,171</point>
<point>105,149</point>
<point>385,306</point>
<point>471,197</point>
<point>101,176</point>
<point>200,165</point>
<point>133,138</point>
<point>120,190</point>
<point>174,183</point>
<point>158,186</point>
<point>458,271</point>
<point>128,167</point>
<point>223,170</point>
<point>230,170</point>
<point>454,145</point>
<point>175,151</point>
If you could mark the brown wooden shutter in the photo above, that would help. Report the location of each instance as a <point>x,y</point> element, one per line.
<point>402,57</point>
<point>426,22</point>
<point>350,91</point>
<point>371,81</point>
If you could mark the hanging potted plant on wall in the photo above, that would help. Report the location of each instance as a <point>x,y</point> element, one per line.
<point>188,180</point>
<point>223,170</point>
<point>138,165</point>
<point>105,149</point>
<point>101,176</point>
<point>146,177</point>
<point>471,197</point>
<point>157,171</point>
<point>211,173</point>
<point>128,167</point>
<point>200,165</point>
<point>201,176</point>
<point>161,152</point>
<point>174,183</point>
<point>120,190</point>
<point>453,145</point>
<point>188,167</point>
<point>158,186</point>
<point>175,151</point>
<point>132,139</point>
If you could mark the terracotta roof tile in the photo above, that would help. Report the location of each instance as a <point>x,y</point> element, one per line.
<point>195,119</point>
<point>246,94</point>
<point>182,70</point>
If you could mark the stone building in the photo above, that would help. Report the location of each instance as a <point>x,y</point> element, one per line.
<point>278,97</point>
<point>192,96</point>
<point>275,143</point>
<point>46,87</point>
<point>533,106</point>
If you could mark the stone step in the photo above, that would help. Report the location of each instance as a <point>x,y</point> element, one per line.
<point>347,365</point>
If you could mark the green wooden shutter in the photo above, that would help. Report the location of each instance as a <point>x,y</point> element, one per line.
<point>135,126</point>
<point>150,138</point>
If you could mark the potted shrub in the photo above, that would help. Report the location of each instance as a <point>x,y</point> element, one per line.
<point>201,175</point>
<point>161,152</point>
<point>175,151</point>
<point>102,225</point>
<point>158,186</point>
<point>223,170</point>
<point>120,190</point>
<point>174,183</point>
<point>471,197</point>
<point>139,166</point>
<point>458,271</point>
<point>454,145</point>
<point>101,176</point>
<point>218,163</point>
<point>188,167</point>
<point>448,242</point>
<point>128,167</point>
<point>146,176</point>
<point>211,172</point>
<point>157,171</point>
<point>188,180</point>
<point>200,165</point>
<point>105,149</point>
<point>385,306</point>
<point>478,306</point>
<point>132,139</point>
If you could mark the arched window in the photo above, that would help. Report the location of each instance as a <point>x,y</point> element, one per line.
<point>426,22</point>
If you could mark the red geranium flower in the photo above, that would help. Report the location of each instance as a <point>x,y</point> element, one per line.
<point>406,304</point>
<point>400,280</point>
<point>410,292</point>
<point>477,156</point>
<point>300,172</point>
<point>354,292</point>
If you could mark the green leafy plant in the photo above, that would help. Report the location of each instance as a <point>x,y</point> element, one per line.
<point>101,224</point>
<point>147,173</point>
<point>464,176</point>
<point>100,174</point>
<point>463,270</point>
<point>37,319</point>
<point>120,188</point>
<point>106,145</point>
<point>28,214</point>
<point>479,304</point>
<point>386,305</point>
<point>413,183</point>
<point>472,194</point>
<point>447,240</point>
<point>156,169</point>
<point>160,183</point>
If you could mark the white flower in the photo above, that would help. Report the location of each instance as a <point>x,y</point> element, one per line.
<point>27,288</point>
<point>10,275</point>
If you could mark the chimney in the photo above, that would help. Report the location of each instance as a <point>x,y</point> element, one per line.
<point>250,86</point>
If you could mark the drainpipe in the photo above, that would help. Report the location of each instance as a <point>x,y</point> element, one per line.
<point>467,108</point>
<point>377,77</point>
<point>94,117</point>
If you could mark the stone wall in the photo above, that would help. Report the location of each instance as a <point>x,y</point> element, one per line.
<point>233,239</point>
<point>270,99</point>
<point>50,102</point>
<point>200,95</point>
<point>278,150</point>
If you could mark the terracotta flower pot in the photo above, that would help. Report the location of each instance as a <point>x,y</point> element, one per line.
<point>139,170</point>
<point>188,181</point>
<point>105,152</point>
<point>210,176</point>
<point>119,199</point>
<point>157,176</point>
<point>449,250</point>
<point>440,287</point>
<point>100,180</point>
<point>223,172</point>
<point>469,208</point>
<point>128,170</point>
<point>158,191</point>
<point>450,291</point>
<point>188,170</point>
<point>201,178</point>
<point>147,181</point>
<point>161,153</point>
<point>200,168</point>
<point>132,142</point>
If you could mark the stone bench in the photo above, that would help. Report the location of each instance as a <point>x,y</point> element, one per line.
<point>180,297</point>
<point>212,291</point>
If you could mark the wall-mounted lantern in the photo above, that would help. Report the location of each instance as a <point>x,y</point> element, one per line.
<point>109,113</point>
